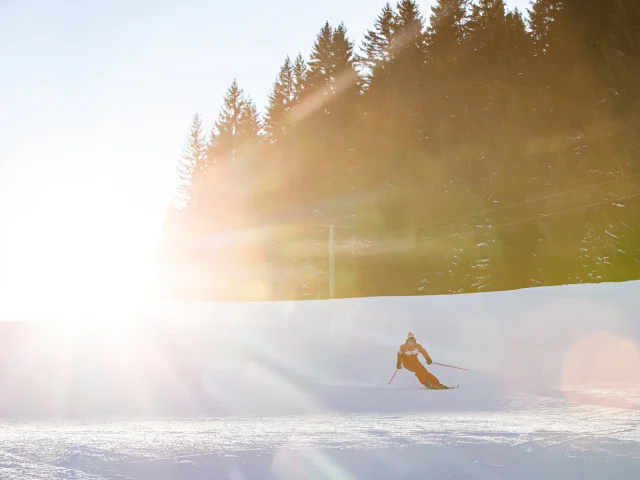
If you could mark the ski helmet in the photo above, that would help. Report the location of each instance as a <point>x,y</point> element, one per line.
<point>410,335</point>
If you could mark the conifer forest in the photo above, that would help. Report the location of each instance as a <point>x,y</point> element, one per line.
<point>465,149</point>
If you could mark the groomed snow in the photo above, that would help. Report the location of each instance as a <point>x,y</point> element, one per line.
<point>299,390</point>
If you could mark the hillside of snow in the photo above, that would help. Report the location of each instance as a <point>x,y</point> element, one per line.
<point>326,356</point>
<point>300,390</point>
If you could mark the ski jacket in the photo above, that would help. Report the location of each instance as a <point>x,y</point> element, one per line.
<point>410,352</point>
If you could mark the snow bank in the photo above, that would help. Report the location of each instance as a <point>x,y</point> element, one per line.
<point>328,356</point>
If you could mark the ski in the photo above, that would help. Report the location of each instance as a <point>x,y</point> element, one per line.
<point>445,388</point>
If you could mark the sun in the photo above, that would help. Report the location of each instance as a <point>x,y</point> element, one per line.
<point>78,252</point>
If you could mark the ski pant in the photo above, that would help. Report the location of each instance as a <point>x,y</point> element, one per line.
<point>421,373</point>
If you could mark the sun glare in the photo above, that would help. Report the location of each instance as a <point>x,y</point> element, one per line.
<point>79,252</point>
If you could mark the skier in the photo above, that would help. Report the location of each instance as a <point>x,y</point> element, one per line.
<point>408,356</point>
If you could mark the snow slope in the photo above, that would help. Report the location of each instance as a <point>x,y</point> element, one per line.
<point>299,390</point>
<point>317,357</point>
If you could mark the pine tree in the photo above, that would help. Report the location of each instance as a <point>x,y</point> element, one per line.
<point>621,65</point>
<point>410,22</point>
<point>345,81</point>
<point>446,31</point>
<point>393,103</point>
<point>589,22</point>
<point>410,47</point>
<point>332,59</point>
<point>487,30</point>
<point>399,90</point>
<point>193,165</point>
<point>543,18</point>
<point>447,106</point>
<point>343,110</point>
<point>342,50</point>
<point>234,149</point>
<point>321,65</point>
<point>224,141</point>
<point>300,74</point>
<point>280,102</point>
<point>249,126</point>
<point>516,36</point>
<point>377,44</point>
<point>410,41</point>
<point>487,65</point>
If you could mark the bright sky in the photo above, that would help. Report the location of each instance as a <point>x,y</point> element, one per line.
<point>95,102</point>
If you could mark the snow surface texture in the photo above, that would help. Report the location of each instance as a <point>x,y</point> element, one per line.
<point>299,390</point>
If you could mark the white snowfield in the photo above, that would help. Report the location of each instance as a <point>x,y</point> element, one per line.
<point>300,390</point>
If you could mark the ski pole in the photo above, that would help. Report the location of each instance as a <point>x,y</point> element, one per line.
<point>450,366</point>
<point>392,377</point>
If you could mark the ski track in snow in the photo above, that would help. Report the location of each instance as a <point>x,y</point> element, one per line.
<point>528,437</point>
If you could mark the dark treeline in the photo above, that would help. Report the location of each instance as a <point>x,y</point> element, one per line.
<point>476,149</point>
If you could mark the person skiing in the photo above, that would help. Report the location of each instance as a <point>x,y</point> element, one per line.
<point>408,357</point>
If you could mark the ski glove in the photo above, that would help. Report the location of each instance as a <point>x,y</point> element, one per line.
<point>398,366</point>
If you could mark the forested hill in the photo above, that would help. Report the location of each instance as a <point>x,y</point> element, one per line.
<point>465,149</point>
